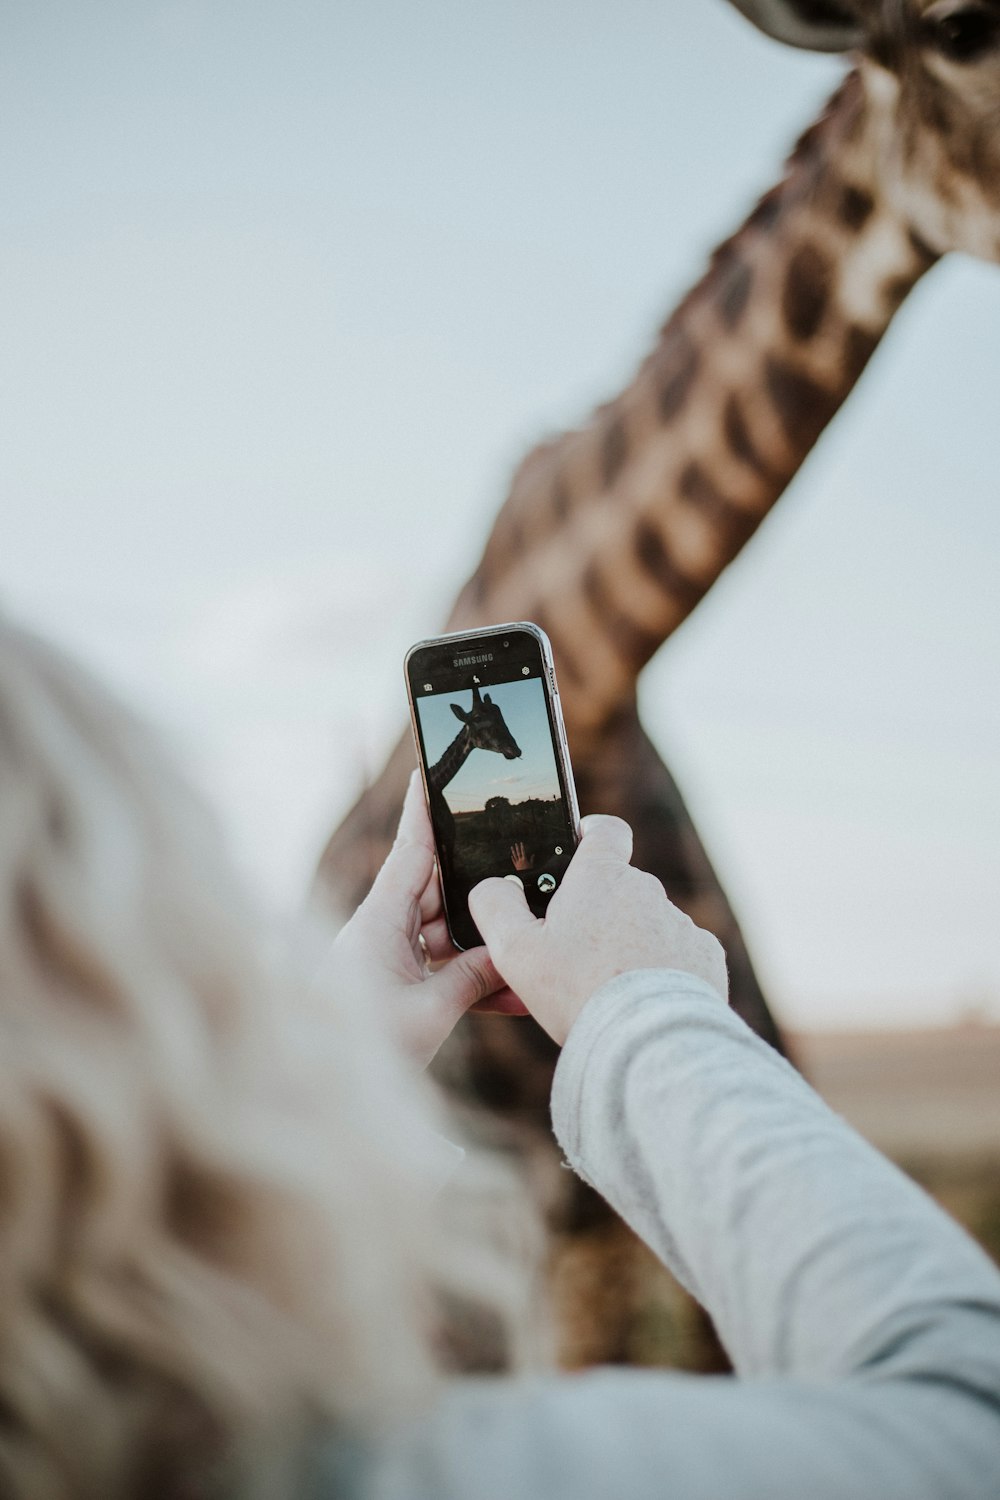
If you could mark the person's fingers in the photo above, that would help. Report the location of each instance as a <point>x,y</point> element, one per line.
<point>503,1003</point>
<point>402,881</point>
<point>501,913</point>
<point>437,940</point>
<point>430,902</point>
<point>464,980</point>
<point>414,822</point>
<point>604,837</point>
<point>439,948</point>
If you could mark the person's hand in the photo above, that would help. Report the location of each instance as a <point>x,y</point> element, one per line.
<point>396,949</point>
<point>604,919</point>
<point>519,857</point>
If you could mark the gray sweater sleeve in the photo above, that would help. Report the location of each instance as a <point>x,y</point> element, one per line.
<point>865,1323</point>
<point>818,1261</point>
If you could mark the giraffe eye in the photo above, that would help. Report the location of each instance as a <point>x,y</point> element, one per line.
<point>964,35</point>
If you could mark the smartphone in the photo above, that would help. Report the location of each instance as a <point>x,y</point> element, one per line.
<point>495,764</point>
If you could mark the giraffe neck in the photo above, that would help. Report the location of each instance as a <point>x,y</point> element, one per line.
<point>612,534</point>
<point>452,761</point>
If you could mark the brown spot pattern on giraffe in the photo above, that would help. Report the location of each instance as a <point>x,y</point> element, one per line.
<point>803,405</point>
<point>515,537</point>
<point>651,551</point>
<point>633,642</point>
<point>806,293</point>
<point>859,346</point>
<point>855,206</point>
<point>678,365</point>
<point>735,293</point>
<point>560,498</point>
<point>614,450</point>
<point>767,212</point>
<point>742,445</point>
<point>935,108</point>
<point>700,490</point>
<point>895,289</point>
<point>924,252</point>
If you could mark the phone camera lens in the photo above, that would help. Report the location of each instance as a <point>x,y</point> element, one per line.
<point>506,643</point>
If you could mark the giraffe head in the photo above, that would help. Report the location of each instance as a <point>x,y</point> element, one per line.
<point>486,726</point>
<point>931,74</point>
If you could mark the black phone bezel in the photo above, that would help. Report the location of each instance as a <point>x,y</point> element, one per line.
<point>431,659</point>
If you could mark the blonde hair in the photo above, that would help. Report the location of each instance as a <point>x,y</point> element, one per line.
<point>217,1238</point>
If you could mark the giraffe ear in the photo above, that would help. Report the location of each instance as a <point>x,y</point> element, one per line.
<point>817,25</point>
<point>487,699</point>
<point>459,713</point>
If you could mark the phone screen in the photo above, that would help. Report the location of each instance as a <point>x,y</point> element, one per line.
<point>499,786</point>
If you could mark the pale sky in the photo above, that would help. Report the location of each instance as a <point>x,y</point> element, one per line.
<point>287,290</point>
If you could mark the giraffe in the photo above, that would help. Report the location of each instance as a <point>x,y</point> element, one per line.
<point>612,534</point>
<point>483,728</point>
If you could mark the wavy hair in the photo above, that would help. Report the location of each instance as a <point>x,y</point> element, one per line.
<point>218,1238</point>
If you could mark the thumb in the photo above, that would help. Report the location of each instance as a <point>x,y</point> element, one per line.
<point>501,913</point>
<point>463,981</point>
<point>604,838</point>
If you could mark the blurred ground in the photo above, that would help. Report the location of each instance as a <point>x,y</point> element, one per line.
<point>930,1099</point>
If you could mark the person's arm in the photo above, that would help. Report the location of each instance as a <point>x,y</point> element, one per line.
<point>813,1254</point>
<point>865,1323</point>
<point>868,1323</point>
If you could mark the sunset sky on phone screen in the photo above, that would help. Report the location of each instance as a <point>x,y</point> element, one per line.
<point>532,775</point>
